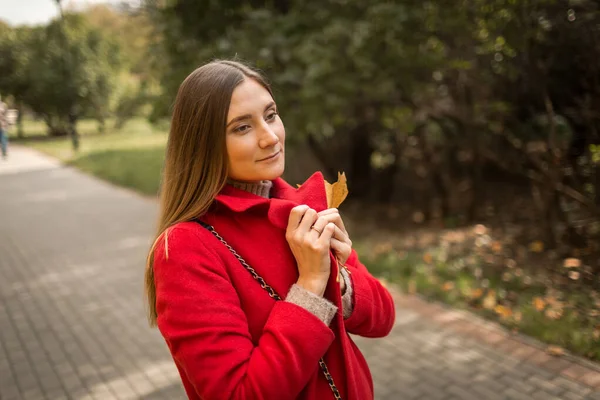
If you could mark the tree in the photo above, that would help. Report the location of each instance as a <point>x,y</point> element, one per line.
<point>71,72</point>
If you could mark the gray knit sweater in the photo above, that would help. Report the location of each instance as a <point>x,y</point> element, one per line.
<point>319,306</point>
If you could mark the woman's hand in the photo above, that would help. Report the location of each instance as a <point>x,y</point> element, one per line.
<point>340,242</point>
<point>309,237</point>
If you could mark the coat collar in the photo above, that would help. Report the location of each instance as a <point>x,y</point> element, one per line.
<point>284,197</point>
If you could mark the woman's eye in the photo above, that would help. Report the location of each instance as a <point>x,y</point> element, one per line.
<point>242,129</point>
<point>271,116</point>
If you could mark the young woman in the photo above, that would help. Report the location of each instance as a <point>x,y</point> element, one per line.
<point>253,283</point>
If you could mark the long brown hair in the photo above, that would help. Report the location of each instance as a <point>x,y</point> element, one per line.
<point>196,164</point>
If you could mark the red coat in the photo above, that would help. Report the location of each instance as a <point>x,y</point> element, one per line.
<point>228,338</point>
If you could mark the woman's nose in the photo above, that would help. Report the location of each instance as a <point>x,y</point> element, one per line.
<point>268,138</point>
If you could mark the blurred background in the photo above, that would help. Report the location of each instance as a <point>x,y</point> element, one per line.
<point>469,132</point>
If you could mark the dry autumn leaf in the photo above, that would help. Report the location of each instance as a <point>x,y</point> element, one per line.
<point>337,192</point>
<point>574,275</point>
<point>489,301</point>
<point>553,313</point>
<point>448,286</point>
<point>427,258</point>
<point>477,293</point>
<point>555,350</point>
<point>536,247</point>
<point>538,303</point>
<point>572,263</point>
<point>503,311</point>
<point>496,247</point>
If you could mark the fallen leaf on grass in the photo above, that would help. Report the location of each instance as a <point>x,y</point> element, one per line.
<point>503,311</point>
<point>489,302</point>
<point>537,246</point>
<point>572,263</point>
<point>538,303</point>
<point>553,313</point>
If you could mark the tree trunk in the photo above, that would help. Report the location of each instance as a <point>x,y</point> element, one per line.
<point>322,155</point>
<point>360,167</point>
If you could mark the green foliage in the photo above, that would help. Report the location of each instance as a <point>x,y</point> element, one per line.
<point>420,96</point>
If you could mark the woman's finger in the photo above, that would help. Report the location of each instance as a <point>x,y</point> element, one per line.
<point>325,237</point>
<point>308,220</point>
<point>296,216</point>
<point>328,211</point>
<point>342,236</point>
<point>336,219</point>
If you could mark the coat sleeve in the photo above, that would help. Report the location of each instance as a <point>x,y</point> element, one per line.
<point>373,313</point>
<point>201,319</point>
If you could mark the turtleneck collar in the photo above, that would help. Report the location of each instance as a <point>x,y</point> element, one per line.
<point>262,188</point>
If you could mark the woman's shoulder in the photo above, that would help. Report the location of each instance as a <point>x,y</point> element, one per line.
<point>187,237</point>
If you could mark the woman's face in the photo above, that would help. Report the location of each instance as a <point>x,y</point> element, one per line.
<point>255,135</point>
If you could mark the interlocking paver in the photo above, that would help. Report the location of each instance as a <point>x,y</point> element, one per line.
<point>72,251</point>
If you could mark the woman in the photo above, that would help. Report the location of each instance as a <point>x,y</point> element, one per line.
<point>229,335</point>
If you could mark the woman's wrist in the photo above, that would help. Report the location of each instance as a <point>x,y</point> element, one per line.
<point>313,285</point>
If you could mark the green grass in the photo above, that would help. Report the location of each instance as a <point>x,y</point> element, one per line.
<point>453,281</point>
<point>131,157</point>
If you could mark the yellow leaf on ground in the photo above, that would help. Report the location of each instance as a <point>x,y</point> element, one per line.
<point>538,303</point>
<point>489,301</point>
<point>496,247</point>
<point>537,246</point>
<point>572,263</point>
<point>553,313</point>
<point>555,350</point>
<point>503,311</point>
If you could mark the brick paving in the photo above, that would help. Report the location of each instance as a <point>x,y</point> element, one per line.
<point>72,322</point>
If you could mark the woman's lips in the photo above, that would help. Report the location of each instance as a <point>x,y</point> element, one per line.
<point>272,157</point>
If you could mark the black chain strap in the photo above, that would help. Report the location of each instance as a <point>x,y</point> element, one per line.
<point>274,295</point>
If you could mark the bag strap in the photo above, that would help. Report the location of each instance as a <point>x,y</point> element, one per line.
<point>274,295</point>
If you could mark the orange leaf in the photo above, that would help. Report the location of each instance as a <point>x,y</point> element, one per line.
<point>448,286</point>
<point>427,258</point>
<point>538,303</point>
<point>537,246</point>
<point>337,192</point>
<point>489,302</point>
<point>497,247</point>
<point>572,263</point>
<point>553,313</point>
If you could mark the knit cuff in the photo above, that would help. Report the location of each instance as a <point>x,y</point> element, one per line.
<point>320,307</point>
<point>347,306</point>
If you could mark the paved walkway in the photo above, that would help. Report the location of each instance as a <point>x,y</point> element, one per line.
<point>72,322</point>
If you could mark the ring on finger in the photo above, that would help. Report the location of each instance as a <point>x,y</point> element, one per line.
<point>313,227</point>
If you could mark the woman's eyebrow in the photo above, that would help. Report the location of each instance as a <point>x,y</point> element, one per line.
<point>248,116</point>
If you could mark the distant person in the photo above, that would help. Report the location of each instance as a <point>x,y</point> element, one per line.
<point>268,317</point>
<point>4,123</point>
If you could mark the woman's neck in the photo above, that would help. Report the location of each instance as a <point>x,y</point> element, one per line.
<point>260,188</point>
